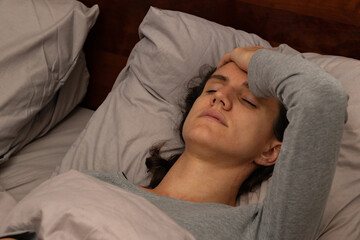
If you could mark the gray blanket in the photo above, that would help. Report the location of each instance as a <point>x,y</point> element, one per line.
<point>77,206</point>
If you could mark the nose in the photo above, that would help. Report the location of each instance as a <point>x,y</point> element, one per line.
<point>223,98</point>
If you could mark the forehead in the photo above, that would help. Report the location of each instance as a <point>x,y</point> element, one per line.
<point>231,72</point>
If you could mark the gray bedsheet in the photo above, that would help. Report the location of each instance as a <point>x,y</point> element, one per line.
<point>36,162</point>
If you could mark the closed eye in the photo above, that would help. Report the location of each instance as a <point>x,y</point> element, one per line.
<point>248,102</point>
<point>211,91</point>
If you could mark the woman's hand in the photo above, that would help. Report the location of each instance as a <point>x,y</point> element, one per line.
<point>240,56</point>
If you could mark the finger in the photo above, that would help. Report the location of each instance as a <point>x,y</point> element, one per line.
<point>225,59</point>
<point>234,55</point>
<point>253,48</point>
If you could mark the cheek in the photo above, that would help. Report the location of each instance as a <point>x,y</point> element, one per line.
<point>254,130</point>
<point>188,123</point>
<point>185,128</point>
<point>264,130</point>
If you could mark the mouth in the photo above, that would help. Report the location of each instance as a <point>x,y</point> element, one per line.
<point>214,115</point>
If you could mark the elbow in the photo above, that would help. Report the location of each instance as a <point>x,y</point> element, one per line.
<point>332,97</point>
<point>338,95</point>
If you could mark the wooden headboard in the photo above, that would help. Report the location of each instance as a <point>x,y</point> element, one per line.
<point>327,27</point>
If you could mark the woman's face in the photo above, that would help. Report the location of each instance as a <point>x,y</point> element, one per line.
<point>228,122</point>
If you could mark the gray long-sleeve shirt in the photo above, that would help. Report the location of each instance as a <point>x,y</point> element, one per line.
<point>298,190</point>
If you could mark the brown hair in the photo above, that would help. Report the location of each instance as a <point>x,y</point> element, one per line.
<point>159,166</point>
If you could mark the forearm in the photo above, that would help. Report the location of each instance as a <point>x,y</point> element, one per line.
<point>301,182</point>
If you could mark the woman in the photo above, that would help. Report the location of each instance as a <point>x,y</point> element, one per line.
<point>228,135</point>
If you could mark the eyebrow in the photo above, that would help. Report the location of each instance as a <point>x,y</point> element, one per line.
<point>226,79</point>
<point>220,77</point>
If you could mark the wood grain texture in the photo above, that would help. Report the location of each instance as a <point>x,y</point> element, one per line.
<point>327,27</point>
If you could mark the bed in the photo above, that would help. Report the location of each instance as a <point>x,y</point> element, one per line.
<point>91,85</point>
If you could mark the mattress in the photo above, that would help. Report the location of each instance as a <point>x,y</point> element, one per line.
<point>36,162</point>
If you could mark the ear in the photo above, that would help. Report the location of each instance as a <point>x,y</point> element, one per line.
<point>269,156</point>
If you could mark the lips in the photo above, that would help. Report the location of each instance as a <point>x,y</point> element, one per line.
<point>214,115</point>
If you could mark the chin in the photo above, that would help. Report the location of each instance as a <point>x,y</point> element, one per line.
<point>201,135</point>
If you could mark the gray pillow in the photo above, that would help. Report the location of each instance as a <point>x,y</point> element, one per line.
<point>143,108</point>
<point>42,73</point>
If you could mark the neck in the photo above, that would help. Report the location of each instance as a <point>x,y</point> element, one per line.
<point>197,180</point>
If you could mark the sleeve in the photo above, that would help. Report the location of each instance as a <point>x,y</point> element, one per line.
<point>316,109</point>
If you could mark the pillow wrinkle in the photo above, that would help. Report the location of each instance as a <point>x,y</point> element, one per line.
<point>54,63</point>
<point>158,61</point>
<point>57,65</point>
<point>147,87</point>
